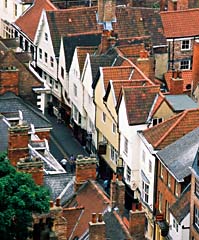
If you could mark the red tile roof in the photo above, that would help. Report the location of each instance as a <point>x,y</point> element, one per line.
<point>138,102</point>
<point>159,101</point>
<point>118,84</point>
<point>81,54</point>
<point>172,129</point>
<point>180,23</point>
<point>28,22</point>
<point>186,76</point>
<point>92,198</point>
<point>72,215</point>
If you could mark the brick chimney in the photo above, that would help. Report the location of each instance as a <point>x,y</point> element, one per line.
<point>137,224</point>
<point>106,10</point>
<point>18,140</point>
<point>85,170</point>
<point>195,66</point>
<point>174,5</point>
<point>108,39</point>
<point>33,166</point>
<point>176,82</point>
<point>9,80</point>
<point>97,228</point>
<point>117,194</point>
<point>59,223</point>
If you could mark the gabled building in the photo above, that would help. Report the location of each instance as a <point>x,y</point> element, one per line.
<point>152,140</point>
<point>179,28</point>
<point>174,177</point>
<point>194,201</point>
<point>11,10</point>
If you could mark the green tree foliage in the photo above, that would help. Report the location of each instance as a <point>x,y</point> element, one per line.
<point>19,198</point>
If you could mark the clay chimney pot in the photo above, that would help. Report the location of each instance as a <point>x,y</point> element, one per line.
<point>94,217</point>
<point>100,217</point>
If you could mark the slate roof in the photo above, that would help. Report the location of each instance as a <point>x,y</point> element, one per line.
<point>98,61</point>
<point>186,76</point>
<point>178,157</point>
<point>58,184</point>
<point>3,134</point>
<point>138,101</point>
<point>9,102</point>
<point>182,23</point>
<point>172,129</point>
<point>180,102</point>
<point>181,207</point>
<point>70,43</point>
<point>29,20</point>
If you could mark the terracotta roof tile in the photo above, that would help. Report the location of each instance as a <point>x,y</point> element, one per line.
<point>172,129</point>
<point>180,23</point>
<point>91,197</point>
<point>159,100</point>
<point>28,22</point>
<point>117,85</point>
<point>186,76</point>
<point>81,54</point>
<point>138,102</point>
<point>72,215</point>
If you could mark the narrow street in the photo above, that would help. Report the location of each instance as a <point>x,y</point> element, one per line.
<point>62,142</point>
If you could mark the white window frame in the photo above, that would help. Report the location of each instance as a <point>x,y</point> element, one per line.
<point>145,192</point>
<point>51,61</point>
<point>114,154</point>
<point>126,145</point>
<point>196,217</point>
<point>40,53</point>
<point>185,64</point>
<point>156,121</point>
<point>186,45</point>
<point>168,180</point>
<point>176,188</point>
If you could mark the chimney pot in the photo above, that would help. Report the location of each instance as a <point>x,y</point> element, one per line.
<point>58,202</point>
<point>94,217</point>
<point>51,204</point>
<point>140,206</point>
<point>100,217</point>
<point>133,207</point>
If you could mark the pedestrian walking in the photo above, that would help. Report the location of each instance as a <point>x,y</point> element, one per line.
<point>64,163</point>
<point>72,163</point>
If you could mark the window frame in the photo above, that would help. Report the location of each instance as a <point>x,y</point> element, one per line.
<point>40,53</point>
<point>168,179</point>
<point>126,143</point>
<point>145,192</point>
<point>51,61</point>
<point>46,57</point>
<point>128,173</point>
<point>186,45</point>
<point>103,117</point>
<point>185,64</point>
<point>114,128</point>
<point>46,36</point>
<point>196,217</point>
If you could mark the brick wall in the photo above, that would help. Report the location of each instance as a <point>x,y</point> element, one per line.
<point>177,5</point>
<point>194,201</point>
<point>44,135</point>
<point>168,193</point>
<point>137,224</point>
<point>26,79</point>
<point>9,81</point>
<point>178,54</point>
<point>195,68</point>
<point>97,228</point>
<point>85,170</point>
<point>18,140</point>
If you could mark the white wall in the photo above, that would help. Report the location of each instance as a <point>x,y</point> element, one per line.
<point>89,105</point>
<point>130,132</point>
<point>181,234</point>
<point>75,79</point>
